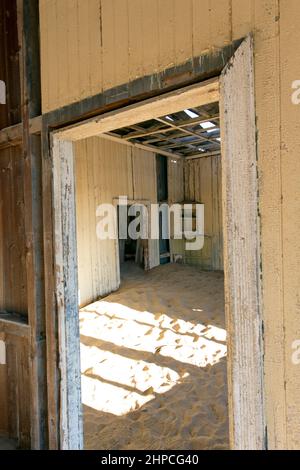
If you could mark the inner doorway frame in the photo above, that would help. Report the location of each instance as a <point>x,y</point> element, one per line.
<point>234,89</point>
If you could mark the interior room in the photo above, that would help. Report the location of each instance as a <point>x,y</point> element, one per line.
<point>152,322</point>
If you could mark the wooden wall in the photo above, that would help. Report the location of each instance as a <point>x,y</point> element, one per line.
<point>14,385</point>
<point>175,181</point>
<point>10,113</point>
<point>200,180</point>
<point>203,183</point>
<point>13,285</point>
<point>106,170</point>
<point>92,45</point>
<point>14,375</point>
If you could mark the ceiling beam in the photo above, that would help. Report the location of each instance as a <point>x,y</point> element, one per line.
<point>149,148</point>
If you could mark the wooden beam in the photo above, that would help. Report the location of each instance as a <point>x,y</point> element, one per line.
<point>28,14</point>
<point>11,136</point>
<point>136,135</point>
<point>35,125</point>
<point>202,155</point>
<point>186,131</point>
<point>194,95</point>
<point>149,148</point>
<point>12,324</point>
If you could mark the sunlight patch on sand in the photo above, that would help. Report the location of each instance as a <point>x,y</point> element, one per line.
<point>117,384</point>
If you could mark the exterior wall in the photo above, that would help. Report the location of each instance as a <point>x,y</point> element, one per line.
<point>106,170</point>
<point>82,55</point>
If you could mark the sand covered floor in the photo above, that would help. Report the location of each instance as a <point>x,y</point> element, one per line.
<point>154,362</point>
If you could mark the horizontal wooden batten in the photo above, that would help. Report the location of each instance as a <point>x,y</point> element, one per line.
<point>13,325</point>
<point>149,148</point>
<point>203,155</point>
<point>13,135</point>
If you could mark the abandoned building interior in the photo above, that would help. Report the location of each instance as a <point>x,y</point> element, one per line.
<point>152,324</point>
<point>141,343</point>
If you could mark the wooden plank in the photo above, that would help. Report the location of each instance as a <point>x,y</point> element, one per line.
<point>83,47</point>
<point>13,390</point>
<point>3,393</point>
<point>10,325</point>
<point>217,246</point>
<point>35,125</point>
<point>183,30</point>
<point>95,44</point>
<point>11,136</point>
<point>206,199</point>
<point>45,85</point>
<point>148,148</point>
<point>166,33</point>
<point>71,432</point>
<point>242,252</point>
<point>12,238</point>
<point>23,383</point>
<point>268,109</point>
<point>242,17</point>
<point>50,301</point>
<point>69,24</point>
<point>135,25</point>
<point>83,223</point>
<point>290,172</point>
<point>194,95</point>
<point>201,27</point>
<point>149,36</point>
<point>34,370</point>
<point>220,22</point>
<point>175,181</point>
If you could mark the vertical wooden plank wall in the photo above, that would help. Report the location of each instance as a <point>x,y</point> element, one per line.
<point>105,170</point>
<point>21,276</point>
<point>14,386</point>
<point>13,283</point>
<point>175,181</point>
<point>290,171</point>
<point>10,113</point>
<point>200,180</point>
<point>14,373</point>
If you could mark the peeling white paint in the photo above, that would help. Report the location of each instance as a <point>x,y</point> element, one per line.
<point>2,92</point>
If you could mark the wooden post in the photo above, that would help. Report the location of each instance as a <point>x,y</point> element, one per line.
<point>28,30</point>
<point>242,251</point>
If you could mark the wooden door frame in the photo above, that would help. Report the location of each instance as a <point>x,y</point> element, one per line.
<point>243,300</point>
<point>130,202</point>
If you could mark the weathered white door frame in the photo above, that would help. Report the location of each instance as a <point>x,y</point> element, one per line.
<point>241,232</point>
<point>235,90</point>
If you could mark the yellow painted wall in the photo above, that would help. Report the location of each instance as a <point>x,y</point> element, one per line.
<point>91,45</point>
<point>106,170</point>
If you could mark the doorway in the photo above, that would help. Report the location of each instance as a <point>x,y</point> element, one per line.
<point>241,236</point>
